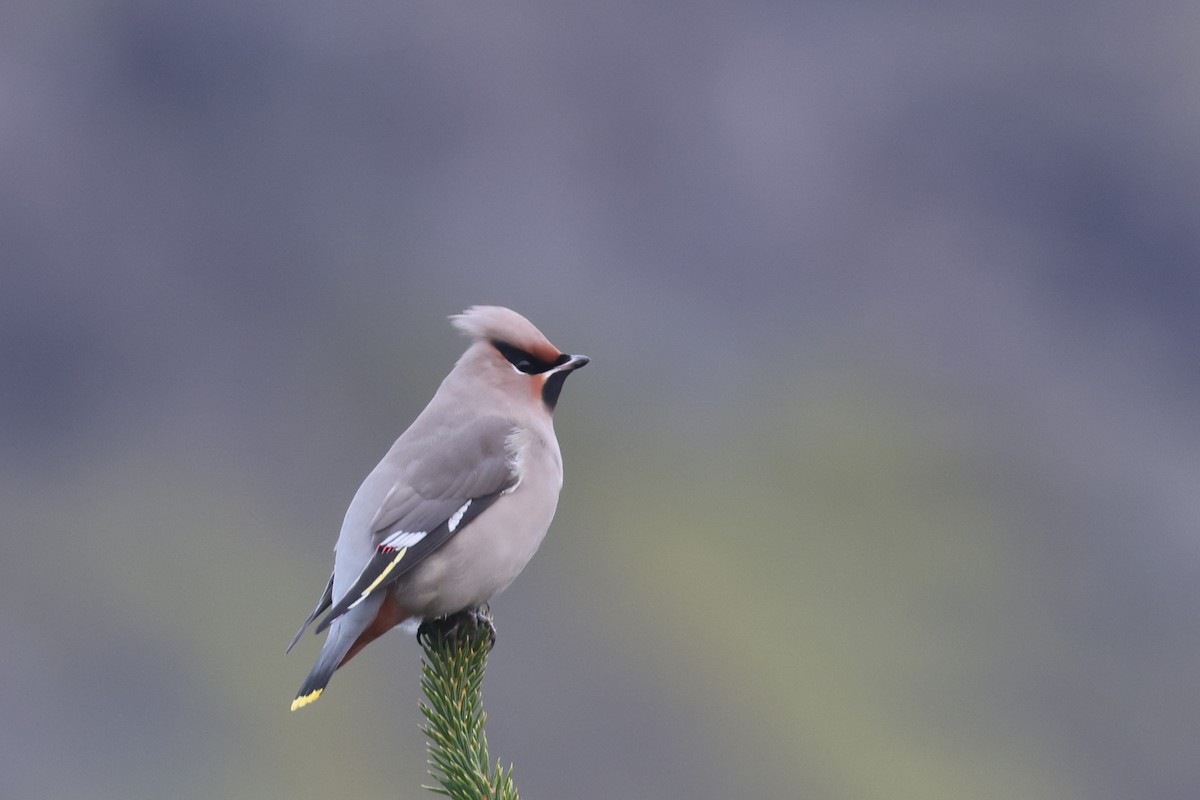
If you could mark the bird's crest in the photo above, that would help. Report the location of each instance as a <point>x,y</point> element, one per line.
<point>496,323</point>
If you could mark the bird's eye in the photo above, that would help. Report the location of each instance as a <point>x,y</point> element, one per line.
<point>521,360</point>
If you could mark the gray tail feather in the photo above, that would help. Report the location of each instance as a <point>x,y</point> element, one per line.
<point>336,646</point>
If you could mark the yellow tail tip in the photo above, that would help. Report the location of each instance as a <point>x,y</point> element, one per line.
<point>300,702</point>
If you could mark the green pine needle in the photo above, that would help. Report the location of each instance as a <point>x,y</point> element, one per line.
<point>456,651</point>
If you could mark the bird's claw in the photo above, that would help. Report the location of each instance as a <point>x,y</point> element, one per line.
<point>461,623</point>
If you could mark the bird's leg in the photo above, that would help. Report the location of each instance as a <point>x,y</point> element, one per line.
<point>482,618</point>
<point>451,626</point>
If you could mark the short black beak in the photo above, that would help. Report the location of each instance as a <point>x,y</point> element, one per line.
<point>574,362</point>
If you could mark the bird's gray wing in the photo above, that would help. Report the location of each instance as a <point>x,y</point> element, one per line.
<point>449,480</point>
<point>325,602</point>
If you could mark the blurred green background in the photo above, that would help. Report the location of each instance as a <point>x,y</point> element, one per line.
<point>882,484</point>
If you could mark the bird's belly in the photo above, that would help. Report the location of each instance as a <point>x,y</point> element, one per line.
<point>482,559</point>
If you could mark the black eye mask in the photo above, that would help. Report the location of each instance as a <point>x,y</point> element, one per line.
<point>527,362</point>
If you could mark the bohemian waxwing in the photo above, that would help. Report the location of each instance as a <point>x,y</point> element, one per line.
<point>460,502</point>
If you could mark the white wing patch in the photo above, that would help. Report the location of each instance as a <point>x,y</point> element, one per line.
<point>457,516</point>
<point>404,539</point>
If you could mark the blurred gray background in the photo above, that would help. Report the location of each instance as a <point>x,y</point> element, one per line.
<point>883,482</point>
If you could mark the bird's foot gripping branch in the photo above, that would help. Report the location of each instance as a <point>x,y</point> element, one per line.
<point>466,624</point>
<point>456,652</point>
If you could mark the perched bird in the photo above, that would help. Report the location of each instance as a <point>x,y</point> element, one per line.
<point>460,502</point>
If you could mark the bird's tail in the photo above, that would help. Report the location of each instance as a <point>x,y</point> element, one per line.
<point>332,655</point>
